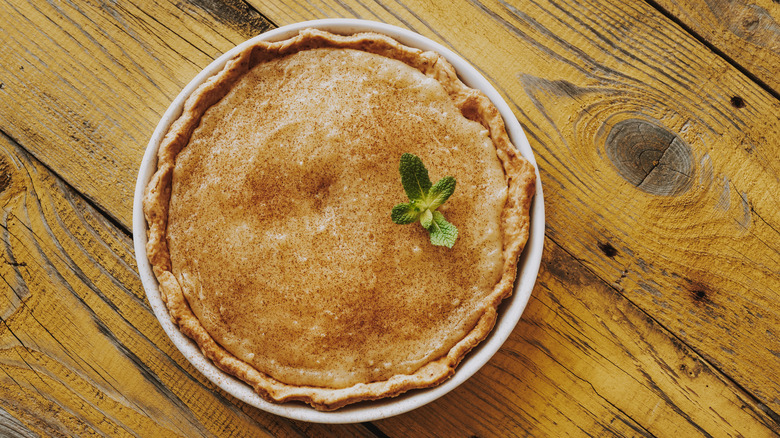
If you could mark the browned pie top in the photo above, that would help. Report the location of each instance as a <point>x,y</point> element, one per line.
<point>270,228</point>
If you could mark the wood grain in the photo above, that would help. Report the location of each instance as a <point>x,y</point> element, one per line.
<point>704,263</point>
<point>657,302</point>
<point>83,87</point>
<point>586,362</point>
<point>650,157</point>
<point>80,351</point>
<point>746,31</point>
<point>11,427</point>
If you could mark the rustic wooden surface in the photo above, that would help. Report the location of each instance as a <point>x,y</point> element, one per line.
<point>745,32</point>
<point>655,124</point>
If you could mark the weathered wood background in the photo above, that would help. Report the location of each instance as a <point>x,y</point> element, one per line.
<point>657,131</point>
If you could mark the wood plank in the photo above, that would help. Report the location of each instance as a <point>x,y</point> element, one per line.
<point>11,427</point>
<point>83,86</point>
<point>586,362</point>
<point>699,253</point>
<point>81,352</point>
<point>747,31</point>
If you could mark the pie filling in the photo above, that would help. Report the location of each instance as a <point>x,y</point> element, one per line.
<point>270,229</point>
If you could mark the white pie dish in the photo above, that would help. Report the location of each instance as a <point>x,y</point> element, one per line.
<point>509,312</point>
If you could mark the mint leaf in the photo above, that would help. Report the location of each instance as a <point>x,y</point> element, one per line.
<point>405,214</point>
<point>440,192</point>
<point>426,219</point>
<point>424,199</point>
<point>442,232</point>
<point>414,177</point>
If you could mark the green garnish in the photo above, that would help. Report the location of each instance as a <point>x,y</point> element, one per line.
<point>424,199</point>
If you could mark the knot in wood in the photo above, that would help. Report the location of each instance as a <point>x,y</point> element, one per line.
<point>650,157</point>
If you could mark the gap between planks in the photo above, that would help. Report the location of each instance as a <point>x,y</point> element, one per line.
<point>768,411</point>
<point>107,215</point>
<point>712,48</point>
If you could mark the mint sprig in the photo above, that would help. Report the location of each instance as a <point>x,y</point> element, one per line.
<point>424,199</point>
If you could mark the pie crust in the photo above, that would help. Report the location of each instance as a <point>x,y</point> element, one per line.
<point>269,225</point>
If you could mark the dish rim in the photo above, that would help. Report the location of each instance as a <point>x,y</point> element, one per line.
<point>511,308</point>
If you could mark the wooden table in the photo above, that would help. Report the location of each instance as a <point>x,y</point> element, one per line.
<point>655,125</point>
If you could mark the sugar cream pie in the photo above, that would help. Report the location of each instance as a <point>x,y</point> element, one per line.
<point>269,218</point>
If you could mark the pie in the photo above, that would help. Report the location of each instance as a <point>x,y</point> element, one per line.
<point>269,226</point>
